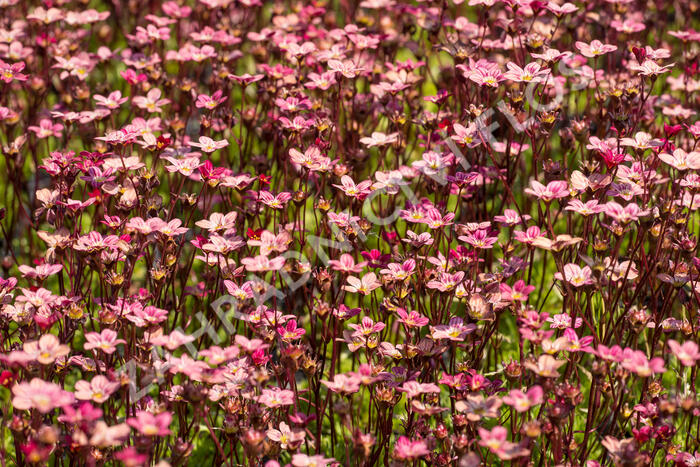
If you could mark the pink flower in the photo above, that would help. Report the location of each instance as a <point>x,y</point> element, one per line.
<point>343,220</point>
<point>40,395</point>
<point>98,389</point>
<point>414,389</point>
<point>113,101</point>
<point>531,73</point>
<point>494,439</point>
<point>497,442</point>
<point>142,316</point>
<point>522,402</point>
<point>637,362</point>
<point>262,263</point>
<point>366,327</point>
<point>563,321</point>
<point>630,213</point>
<point>151,32</point>
<point>578,345</point>
<point>152,102</point>
<point>479,239</point>
<point>650,67</point>
<point>347,264</point>
<point>40,299</point>
<point>379,139</point>
<point>611,354</point>
<point>322,81</point>
<point>456,330</point>
<point>489,77</point>
<point>418,240</point>
<point>687,353</point>
<point>412,319</point>
<point>224,245</point>
<point>433,164</point>
<point>300,50</point>
<point>529,236</point>
<point>466,136</point>
<point>246,78</point>
<point>364,286</point>
<point>297,125</point>
<point>641,140</point>
<point>376,258</point>
<point>694,129</point>
<point>41,272</point>
<point>435,220</point>
<point>108,436</point>
<point>170,341</point>
<point>8,72</point>
<point>290,332</point>
<point>343,383</point>
<point>628,26</point>
<point>208,145</point>
<point>303,460</point>
<point>511,217</point>
<point>185,166</point>
<point>131,456</point>
<point>545,366</point>
<point>97,177</point>
<point>681,160</point>
<point>249,345</point>
<point>83,412</point>
<point>553,190</point>
<point>146,227</point>
<point>132,77</point>
<point>285,436</point>
<point>346,68</point>
<point>210,102</point>
<point>270,242</point>
<point>47,129</point>
<point>151,425</point>
<point>218,221</point>
<point>400,272</point>
<point>595,48</point>
<point>343,312</point>
<point>310,159</point>
<point>359,190</point>
<point>612,157</point>
<point>94,241</point>
<point>406,449</point>
<point>172,228</point>
<point>552,55</point>
<point>446,281</point>
<point>46,350</point>
<point>105,341</point>
<point>276,397</point>
<point>274,201</point>
<point>575,275</point>
<point>519,292</point>
<point>585,209</point>
<point>560,10</point>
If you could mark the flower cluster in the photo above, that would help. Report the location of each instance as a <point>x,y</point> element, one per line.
<point>363,232</point>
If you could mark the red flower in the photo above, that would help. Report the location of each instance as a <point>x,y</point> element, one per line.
<point>612,158</point>
<point>254,234</point>
<point>209,172</point>
<point>7,378</point>
<point>162,142</point>
<point>96,193</point>
<point>671,130</point>
<point>640,53</point>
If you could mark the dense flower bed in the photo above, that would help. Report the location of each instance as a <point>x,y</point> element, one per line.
<point>374,232</point>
